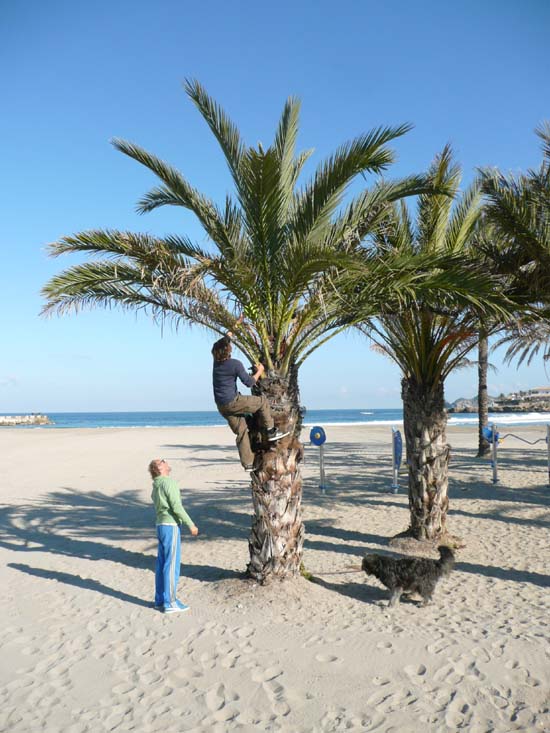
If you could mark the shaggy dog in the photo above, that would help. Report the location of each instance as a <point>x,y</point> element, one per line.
<point>409,574</point>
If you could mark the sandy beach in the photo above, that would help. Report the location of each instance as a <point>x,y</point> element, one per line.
<point>82,649</point>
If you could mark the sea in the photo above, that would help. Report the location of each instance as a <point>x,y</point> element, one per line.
<point>323,418</point>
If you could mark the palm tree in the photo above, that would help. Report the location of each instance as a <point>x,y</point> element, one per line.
<point>483,448</point>
<point>518,210</point>
<point>483,242</point>
<point>276,253</point>
<point>432,338</point>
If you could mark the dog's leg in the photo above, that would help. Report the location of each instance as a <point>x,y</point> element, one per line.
<point>427,592</point>
<point>395,596</point>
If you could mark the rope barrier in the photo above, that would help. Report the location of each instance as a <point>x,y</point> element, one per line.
<point>318,438</point>
<point>524,440</point>
<point>343,572</point>
<point>492,436</point>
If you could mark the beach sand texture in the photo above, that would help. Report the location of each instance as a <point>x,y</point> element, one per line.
<point>82,650</point>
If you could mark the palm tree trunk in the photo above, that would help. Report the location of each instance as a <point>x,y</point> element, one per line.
<point>425,422</point>
<point>277,535</point>
<point>482,395</point>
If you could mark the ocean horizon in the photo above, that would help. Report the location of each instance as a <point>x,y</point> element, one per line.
<point>211,418</point>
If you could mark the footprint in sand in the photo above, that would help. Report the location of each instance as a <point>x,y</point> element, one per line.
<point>276,693</point>
<point>482,654</point>
<point>230,662</point>
<point>380,681</point>
<point>149,677</point>
<point>382,700</point>
<point>458,715</point>
<point>415,671</point>
<point>440,646</point>
<point>498,698</point>
<point>215,698</point>
<point>448,675</point>
<point>264,675</point>
<point>336,719</point>
<point>386,646</point>
<point>207,660</point>
<point>471,671</point>
<point>327,658</point>
<point>225,648</point>
<point>312,641</point>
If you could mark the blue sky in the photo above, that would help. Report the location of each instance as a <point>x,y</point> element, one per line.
<point>73,75</point>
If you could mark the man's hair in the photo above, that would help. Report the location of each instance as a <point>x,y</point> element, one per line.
<point>154,469</point>
<point>222,349</point>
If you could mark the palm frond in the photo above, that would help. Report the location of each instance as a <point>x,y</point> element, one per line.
<point>285,147</point>
<point>367,214</point>
<point>543,132</point>
<point>526,341</point>
<point>223,129</point>
<point>318,201</point>
<point>463,220</point>
<point>434,209</point>
<point>176,191</point>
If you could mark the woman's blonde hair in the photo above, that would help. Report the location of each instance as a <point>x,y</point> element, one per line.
<point>154,467</point>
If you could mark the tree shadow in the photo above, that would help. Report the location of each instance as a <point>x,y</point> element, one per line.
<point>204,573</point>
<point>322,528</point>
<point>201,447</point>
<point>509,574</point>
<point>518,460</point>
<point>194,453</point>
<point>358,591</point>
<point>93,526</point>
<point>357,472</point>
<point>212,573</point>
<point>76,580</point>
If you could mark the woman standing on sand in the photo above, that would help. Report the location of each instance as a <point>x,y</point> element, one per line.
<point>170,515</point>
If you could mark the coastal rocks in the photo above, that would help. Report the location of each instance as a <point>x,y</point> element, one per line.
<point>33,419</point>
<point>505,404</point>
<point>522,406</point>
<point>463,405</point>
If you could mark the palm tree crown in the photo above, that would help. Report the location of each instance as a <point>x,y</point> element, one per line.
<point>518,212</point>
<point>273,247</point>
<point>431,338</point>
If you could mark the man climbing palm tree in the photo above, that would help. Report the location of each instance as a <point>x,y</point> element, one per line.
<point>234,406</point>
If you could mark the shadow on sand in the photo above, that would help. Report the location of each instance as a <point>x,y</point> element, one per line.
<point>95,525</point>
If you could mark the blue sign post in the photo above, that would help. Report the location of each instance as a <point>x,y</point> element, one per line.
<point>397,454</point>
<point>492,437</point>
<point>317,436</point>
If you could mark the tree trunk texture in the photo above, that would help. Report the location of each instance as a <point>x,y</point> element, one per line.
<point>277,534</point>
<point>425,421</point>
<point>484,447</point>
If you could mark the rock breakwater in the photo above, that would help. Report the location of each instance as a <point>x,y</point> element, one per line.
<point>33,419</point>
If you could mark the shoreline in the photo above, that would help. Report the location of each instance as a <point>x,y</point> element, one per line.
<point>374,424</point>
<point>338,427</point>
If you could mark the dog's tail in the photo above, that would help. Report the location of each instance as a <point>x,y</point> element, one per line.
<point>446,559</point>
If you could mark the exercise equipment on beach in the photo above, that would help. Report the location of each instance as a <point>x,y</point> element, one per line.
<point>318,437</point>
<point>493,437</point>
<point>396,455</point>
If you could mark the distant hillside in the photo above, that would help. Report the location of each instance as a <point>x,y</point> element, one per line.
<point>515,402</point>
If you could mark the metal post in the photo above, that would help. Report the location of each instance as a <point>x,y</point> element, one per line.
<point>548,450</point>
<point>318,437</point>
<point>322,467</point>
<point>395,482</point>
<point>495,444</point>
